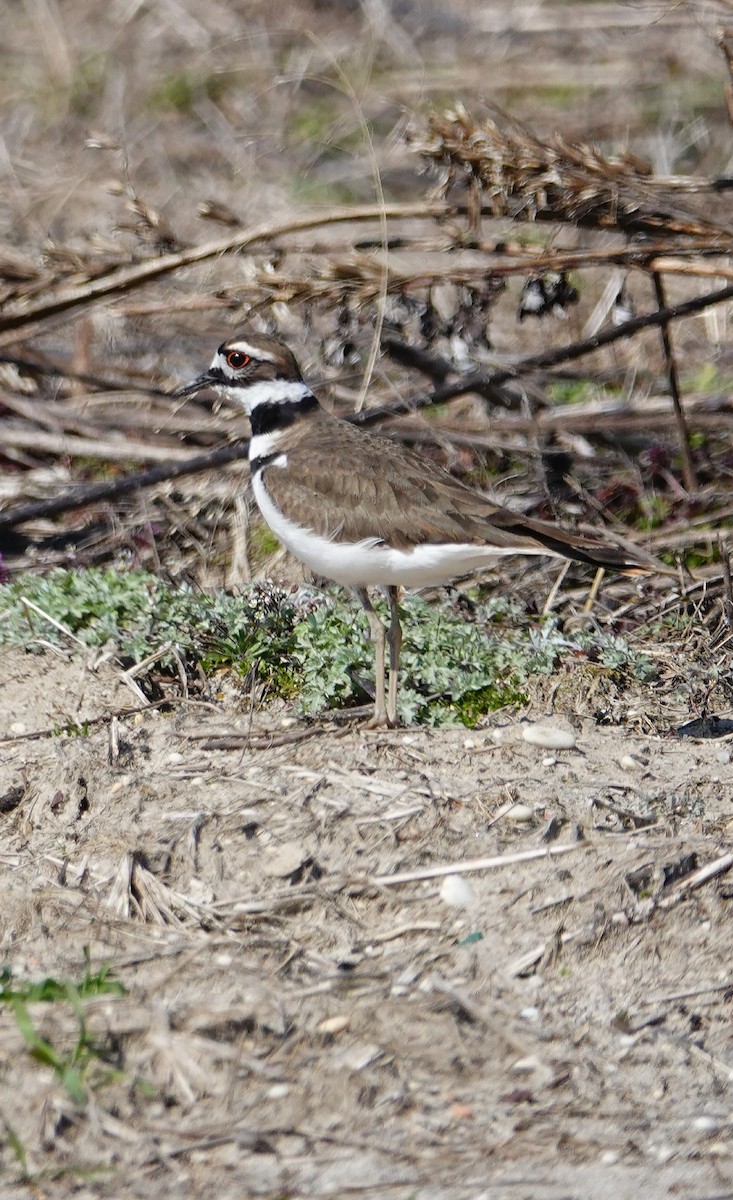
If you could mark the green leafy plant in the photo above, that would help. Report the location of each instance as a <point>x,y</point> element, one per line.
<point>97,983</point>
<point>308,645</point>
<point>78,1068</point>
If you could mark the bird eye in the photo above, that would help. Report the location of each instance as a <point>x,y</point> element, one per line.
<point>236,359</point>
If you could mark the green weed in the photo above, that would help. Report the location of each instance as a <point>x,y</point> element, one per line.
<point>85,1065</point>
<point>572,391</point>
<point>97,983</point>
<point>262,543</point>
<point>180,90</point>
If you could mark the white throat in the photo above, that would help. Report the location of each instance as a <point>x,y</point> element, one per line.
<point>273,391</point>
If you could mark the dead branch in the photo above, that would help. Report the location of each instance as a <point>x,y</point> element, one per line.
<point>683,433</point>
<point>549,358</point>
<point>22,315</point>
<point>94,493</point>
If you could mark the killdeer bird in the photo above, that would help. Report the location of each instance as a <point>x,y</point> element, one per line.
<point>363,510</point>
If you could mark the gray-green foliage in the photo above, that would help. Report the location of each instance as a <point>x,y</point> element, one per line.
<point>454,669</point>
<point>139,613</point>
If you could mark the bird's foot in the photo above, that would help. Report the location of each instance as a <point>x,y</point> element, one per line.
<point>382,720</point>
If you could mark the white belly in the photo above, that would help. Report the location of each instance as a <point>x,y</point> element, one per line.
<point>370,561</point>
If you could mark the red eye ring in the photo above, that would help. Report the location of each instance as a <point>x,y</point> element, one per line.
<point>236,359</point>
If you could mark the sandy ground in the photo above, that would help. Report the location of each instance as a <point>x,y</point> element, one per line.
<point>297,1022</point>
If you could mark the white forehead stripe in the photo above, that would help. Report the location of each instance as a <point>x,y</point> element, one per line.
<point>262,355</point>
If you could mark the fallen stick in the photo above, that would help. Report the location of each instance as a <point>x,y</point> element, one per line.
<point>94,493</point>
<point>710,871</point>
<point>474,864</point>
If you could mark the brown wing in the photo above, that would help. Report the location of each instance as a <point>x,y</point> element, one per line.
<point>359,484</point>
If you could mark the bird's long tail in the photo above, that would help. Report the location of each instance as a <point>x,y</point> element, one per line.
<point>584,548</point>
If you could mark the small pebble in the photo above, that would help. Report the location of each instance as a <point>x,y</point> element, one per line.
<point>524,1066</point>
<point>285,860</point>
<point>662,1153</point>
<point>549,761</point>
<point>278,1091</point>
<point>530,1013</point>
<point>723,756</point>
<point>199,892</point>
<point>356,1058</point>
<point>706,1125</point>
<point>521,813</point>
<point>18,728</point>
<point>175,757</point>
<point>548,737</point>
<point>223,960</point>
<point>119,785</point>
<point>629,763</point>
<point>469,744</point>
<point>333,1025</point>
<point>456,892</point>
<point>610,1157</point>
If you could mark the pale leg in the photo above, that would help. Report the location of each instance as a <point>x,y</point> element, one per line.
<point>378,634</point>
<point>395,645</point>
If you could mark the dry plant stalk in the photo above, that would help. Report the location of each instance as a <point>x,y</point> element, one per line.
<point>513,174</point>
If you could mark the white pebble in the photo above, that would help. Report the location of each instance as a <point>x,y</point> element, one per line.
<point>286,860</point>
<point>175,757</point>
<point>662,1153</point>
<point>525,1066</point>
<point>18,728</point>
<point>706,1125</point>
<point>610,1157</point>
<point>199,891</point>
<point>629,763</point>
<point>723,756</point>
<point>521,813</point>
<point>456,892</point>
<point>469,744</point>
<point>333,1025</point>
<point>548,737</point>
<point>278,1091</point>
<point>530,1013</point>
<point>356,1058</point>
<point>549,761</point>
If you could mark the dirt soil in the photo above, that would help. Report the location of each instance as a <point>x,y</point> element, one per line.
<point>296,1022</point>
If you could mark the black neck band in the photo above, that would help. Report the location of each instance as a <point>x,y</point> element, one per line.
<point>272,415</point>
